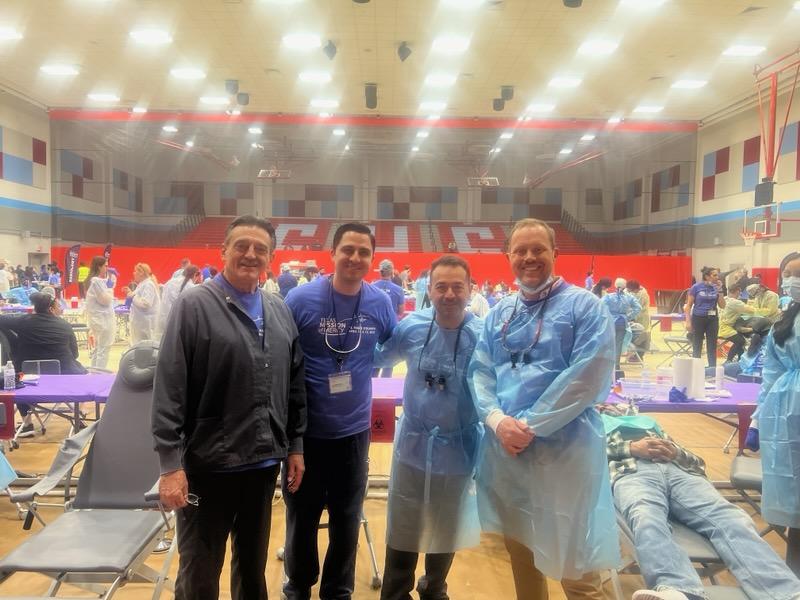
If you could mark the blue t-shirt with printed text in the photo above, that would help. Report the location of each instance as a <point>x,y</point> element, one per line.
<point>395,293</point>
<point>354,323</point>
<point>705,298</point>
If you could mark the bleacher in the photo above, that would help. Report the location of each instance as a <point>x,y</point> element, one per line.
<point>391,236</point>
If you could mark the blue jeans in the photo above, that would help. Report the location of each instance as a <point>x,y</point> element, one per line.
<point>658,491</point>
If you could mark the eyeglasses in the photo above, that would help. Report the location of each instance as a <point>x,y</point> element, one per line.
<point>243,247</point>
<point>193,499</point>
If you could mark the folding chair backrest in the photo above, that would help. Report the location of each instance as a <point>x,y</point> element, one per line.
<point>49,366</point>
<point>121,464</point>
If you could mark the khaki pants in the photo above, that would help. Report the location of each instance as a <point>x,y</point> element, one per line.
<point>531,584</point>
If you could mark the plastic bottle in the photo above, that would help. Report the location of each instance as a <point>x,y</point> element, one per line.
<point>719,377</point>
<point>9,377</point>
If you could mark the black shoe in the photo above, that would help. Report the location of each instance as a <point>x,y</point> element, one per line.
<point>27,428</point>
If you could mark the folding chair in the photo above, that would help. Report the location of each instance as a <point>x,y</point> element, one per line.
<point>677,345</point>
<point>36,367</point>
<point>102,541</point>
<point>700,552</point>
<point>746,476</point>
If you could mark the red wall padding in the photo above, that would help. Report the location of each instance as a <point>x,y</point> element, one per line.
<point>653,272</point>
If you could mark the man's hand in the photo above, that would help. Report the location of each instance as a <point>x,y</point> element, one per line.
<point>654,449</point>
<point>173,489</point>
<point>514,435</point>
<point>295,467</point>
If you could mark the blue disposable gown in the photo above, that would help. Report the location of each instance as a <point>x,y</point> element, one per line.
<point>779,431</point>
<point>432,500</point>
<point>555,496</point>
<point>625,307</point>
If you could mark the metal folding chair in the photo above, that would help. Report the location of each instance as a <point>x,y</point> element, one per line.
<point>746,476</point>
<point>36,367</point>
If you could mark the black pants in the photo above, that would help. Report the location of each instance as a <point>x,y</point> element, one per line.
<point>239,504</point>
<point>336,477</point>
<point>398,575</point>
<point>705,328</point>
<point>737,349</point>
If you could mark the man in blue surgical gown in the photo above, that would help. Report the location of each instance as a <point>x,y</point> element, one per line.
<point>432,503</point>
<point>545,358</point>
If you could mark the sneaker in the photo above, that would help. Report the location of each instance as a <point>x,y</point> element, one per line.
<point>27,428</point>
<point>662,595</point>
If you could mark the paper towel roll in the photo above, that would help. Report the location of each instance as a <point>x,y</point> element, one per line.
<point>689,373</point>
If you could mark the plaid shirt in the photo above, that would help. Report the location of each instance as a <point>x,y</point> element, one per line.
<point>621,462</point>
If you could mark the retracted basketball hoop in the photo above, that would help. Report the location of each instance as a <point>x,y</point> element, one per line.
<point>483,181</point>
<point>274,174</point>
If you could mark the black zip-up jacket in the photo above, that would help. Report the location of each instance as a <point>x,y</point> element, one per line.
<point>221,397</point>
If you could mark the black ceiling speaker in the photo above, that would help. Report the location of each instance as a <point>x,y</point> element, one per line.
<point>507,92</point>
<point>498,104</point>
<point>231,86</point>
<point>403,52</point>
<point>764,192</point>
<point>242,99</point>
<point>330,49</point>
<point>573,3</point>
<point>371,95</point>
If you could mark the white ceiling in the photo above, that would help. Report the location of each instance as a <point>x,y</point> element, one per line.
<point>523,43</point>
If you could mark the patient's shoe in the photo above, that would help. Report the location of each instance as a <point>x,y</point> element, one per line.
<point>662,595</point>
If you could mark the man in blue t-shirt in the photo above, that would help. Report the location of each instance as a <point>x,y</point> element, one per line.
<point>340,320</point>
<point>286,281</point>
<point>396,296</point>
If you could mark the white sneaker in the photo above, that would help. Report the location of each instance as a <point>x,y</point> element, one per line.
<point>662,595</point>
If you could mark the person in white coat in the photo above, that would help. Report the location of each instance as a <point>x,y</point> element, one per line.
<point>174,288</point>
<point>145,304</point>
<point>100,310</point>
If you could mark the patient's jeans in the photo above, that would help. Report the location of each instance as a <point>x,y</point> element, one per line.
<point>657,490</point>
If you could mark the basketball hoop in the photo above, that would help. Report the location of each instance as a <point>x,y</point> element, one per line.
<point>274,174</point>
<point>483,181</point>
<point>749,238</point>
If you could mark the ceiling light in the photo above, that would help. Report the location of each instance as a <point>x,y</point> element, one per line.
<point>450,44</point>
<point>494,150</point>
<point>423,134</point>
<point>324,115</point>
<point>743,50</point>
<point>59,69</point>
<point>235,112</point>
<point>103,97</point>
<point>152,37</point>
<point>315,77</point>
<point>255,130</point>
<point>565,82</point>
<point>415,148</point>
<point>255,145</point>
<point>215,100</point>
<point>463,4</point>
<point>189,144</point>
<point>339,132</point>
<point>689,84</point>
<point>188,73</point>
<point>541,108</point>
<point>8,33</point>
<point>648,109</point>
<point>324,103</point>
<point>797,5</point>
<point>403,51</point>
<point>169,128</point>
<point>432,106</point>
<point>301,41</point>
<point>506,135</point>
<point>614,120</point>
<point>566,151</point>
<point>440,79</point>
<point>642,3</point>
<point>597,47</point>
<point>587,137</point>
<point>346,147</point>
<point>433,117</point>
<point>140,110</point>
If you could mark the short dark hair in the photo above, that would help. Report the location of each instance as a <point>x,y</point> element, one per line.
<point>42,302</point>
<point>707,271</point>
<point>633,285</point>
<point>355,228</point>
<point>252,221</point>
<point>448,260</point>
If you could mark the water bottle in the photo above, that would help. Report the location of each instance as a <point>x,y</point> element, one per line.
<point>719,377</point>
<point>9,377</point>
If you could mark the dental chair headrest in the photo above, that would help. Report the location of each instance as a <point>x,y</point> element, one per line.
<point>137,367</point>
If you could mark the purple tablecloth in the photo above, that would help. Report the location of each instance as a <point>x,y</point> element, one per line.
<point>388,389</point>
<point>93,387</point>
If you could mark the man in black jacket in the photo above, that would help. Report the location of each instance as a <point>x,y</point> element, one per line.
<point>229,405</point>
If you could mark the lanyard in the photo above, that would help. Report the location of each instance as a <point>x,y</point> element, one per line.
<point>340,354</point>
<point>428,339</point>
<point>525,352</point>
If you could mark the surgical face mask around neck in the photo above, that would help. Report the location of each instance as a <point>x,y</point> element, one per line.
<point>793,287</point>
<point>532,291</point>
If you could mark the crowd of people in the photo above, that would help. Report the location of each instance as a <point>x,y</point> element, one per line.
<point>504,429</point>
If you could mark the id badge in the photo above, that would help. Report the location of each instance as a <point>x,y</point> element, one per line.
<point>712,313</point>
<point>339,383</point>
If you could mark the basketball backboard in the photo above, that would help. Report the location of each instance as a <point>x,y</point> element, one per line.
<point>763,221</point>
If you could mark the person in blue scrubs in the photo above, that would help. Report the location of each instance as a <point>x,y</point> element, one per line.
<point>624,308</point>
<point>340,319</point>
<point>779,422</point>
<point>432,503</point>
<point>702,319</point>
<point>544,359</point>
